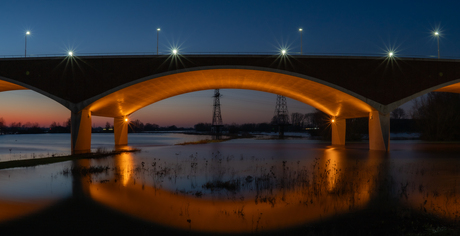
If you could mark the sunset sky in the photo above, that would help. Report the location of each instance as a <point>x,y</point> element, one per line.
<point>329,27</point>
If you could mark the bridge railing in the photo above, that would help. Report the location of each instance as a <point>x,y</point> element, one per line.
<point>306,54</point>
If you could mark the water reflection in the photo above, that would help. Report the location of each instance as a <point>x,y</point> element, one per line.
<point>229,194</point>
<point>238,187</point>
<point>26,191</point>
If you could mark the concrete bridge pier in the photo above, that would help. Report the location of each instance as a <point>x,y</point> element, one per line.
<point>120,129</point>
<point>338,131</point>
<point>81,131</point>
<point>379,131</point>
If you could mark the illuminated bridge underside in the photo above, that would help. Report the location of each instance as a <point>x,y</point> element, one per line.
<point>7,86</point>
<point>454,88</point>
<point>130,99</point>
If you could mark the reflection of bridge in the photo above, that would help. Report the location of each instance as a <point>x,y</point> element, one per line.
<point>117,86</point>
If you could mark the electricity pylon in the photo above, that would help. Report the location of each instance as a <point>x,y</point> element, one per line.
<point>281,115</point>
<point>217,116</point>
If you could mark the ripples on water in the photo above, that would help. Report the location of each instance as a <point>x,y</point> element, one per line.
<point>246,185</point>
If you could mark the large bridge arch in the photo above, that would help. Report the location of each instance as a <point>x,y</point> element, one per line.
<point>327,97</point>
<point>124,100</point>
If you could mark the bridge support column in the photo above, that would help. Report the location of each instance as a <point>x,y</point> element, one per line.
<point>338,131</point>
<point>379,131</point>
<point>120,129</point>
<point>81,131</point>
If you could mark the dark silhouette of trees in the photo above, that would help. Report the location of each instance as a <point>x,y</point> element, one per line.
<point>58,128</point>
<point>2,125</point>
<point>297,121</point>
<point>398,113</point>
<point>135,126</point>
<point>151,127</point>
<point>203,127</point>
<point>437,116</point>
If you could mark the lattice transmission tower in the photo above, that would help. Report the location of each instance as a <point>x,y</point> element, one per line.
<point>281,114</point>
<point>217,116</point>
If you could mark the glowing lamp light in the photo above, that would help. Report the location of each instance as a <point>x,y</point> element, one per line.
<point>390,54</point>
<point>126,119</point>
<point>70,53</point>
<point>436,33</point>
<point>158,29</point>
<point>332,120</point>
<point>300,29</point>
<point>174,51</point>
<point>283,52</point>
<point>28,32</point>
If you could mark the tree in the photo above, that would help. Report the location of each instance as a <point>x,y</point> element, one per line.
<point>2,125</point>
<point>398,113</point>
<point>107,125</point>
<point>203,127</point>
<point>297,121</point>
<point>68,124</point>
<point>438,116</point>
<point>151,127</point>
<point>136,125</point>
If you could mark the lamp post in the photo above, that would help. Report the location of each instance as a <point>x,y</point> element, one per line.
<point>158,32</point>
<point>25,46</point>
<point>437,36</point>
<point>300,30</point>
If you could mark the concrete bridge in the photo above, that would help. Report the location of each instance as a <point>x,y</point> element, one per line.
<point>343,87</point>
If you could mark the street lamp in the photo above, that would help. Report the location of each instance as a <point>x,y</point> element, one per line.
<point>300,30</point>
<point>70,53</point>
<point>283,52</point>
<point>158,32</point>
<point>436,34</point>
<point>390,54</point>
<point>25,47</point>
<point>174,51</point>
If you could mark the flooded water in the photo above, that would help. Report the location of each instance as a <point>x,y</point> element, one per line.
<point>29,146</point>
<point>239,186</point>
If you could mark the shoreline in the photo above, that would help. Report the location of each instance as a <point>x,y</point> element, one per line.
<point>56,159</point>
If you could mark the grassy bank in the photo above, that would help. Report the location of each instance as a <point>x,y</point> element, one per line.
<point>50,160</point>
<point>205,141</point>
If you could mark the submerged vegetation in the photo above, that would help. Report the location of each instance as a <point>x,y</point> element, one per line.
<point>349,198</point>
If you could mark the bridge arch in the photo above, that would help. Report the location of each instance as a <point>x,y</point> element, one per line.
<point>7,84</point>
<point>448,87</point>
<point>123,100</point>
<point>327,97</point>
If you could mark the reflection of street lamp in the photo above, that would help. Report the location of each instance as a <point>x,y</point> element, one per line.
<point>25,47</point>
<point>300,30</point>
<point>158,32</point>
<point>436,34</point>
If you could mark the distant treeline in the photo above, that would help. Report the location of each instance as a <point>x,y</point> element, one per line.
<point>33,128</point>
<point>436,116</point>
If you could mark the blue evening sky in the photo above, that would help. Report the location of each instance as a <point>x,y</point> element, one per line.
<point>330,27</point>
